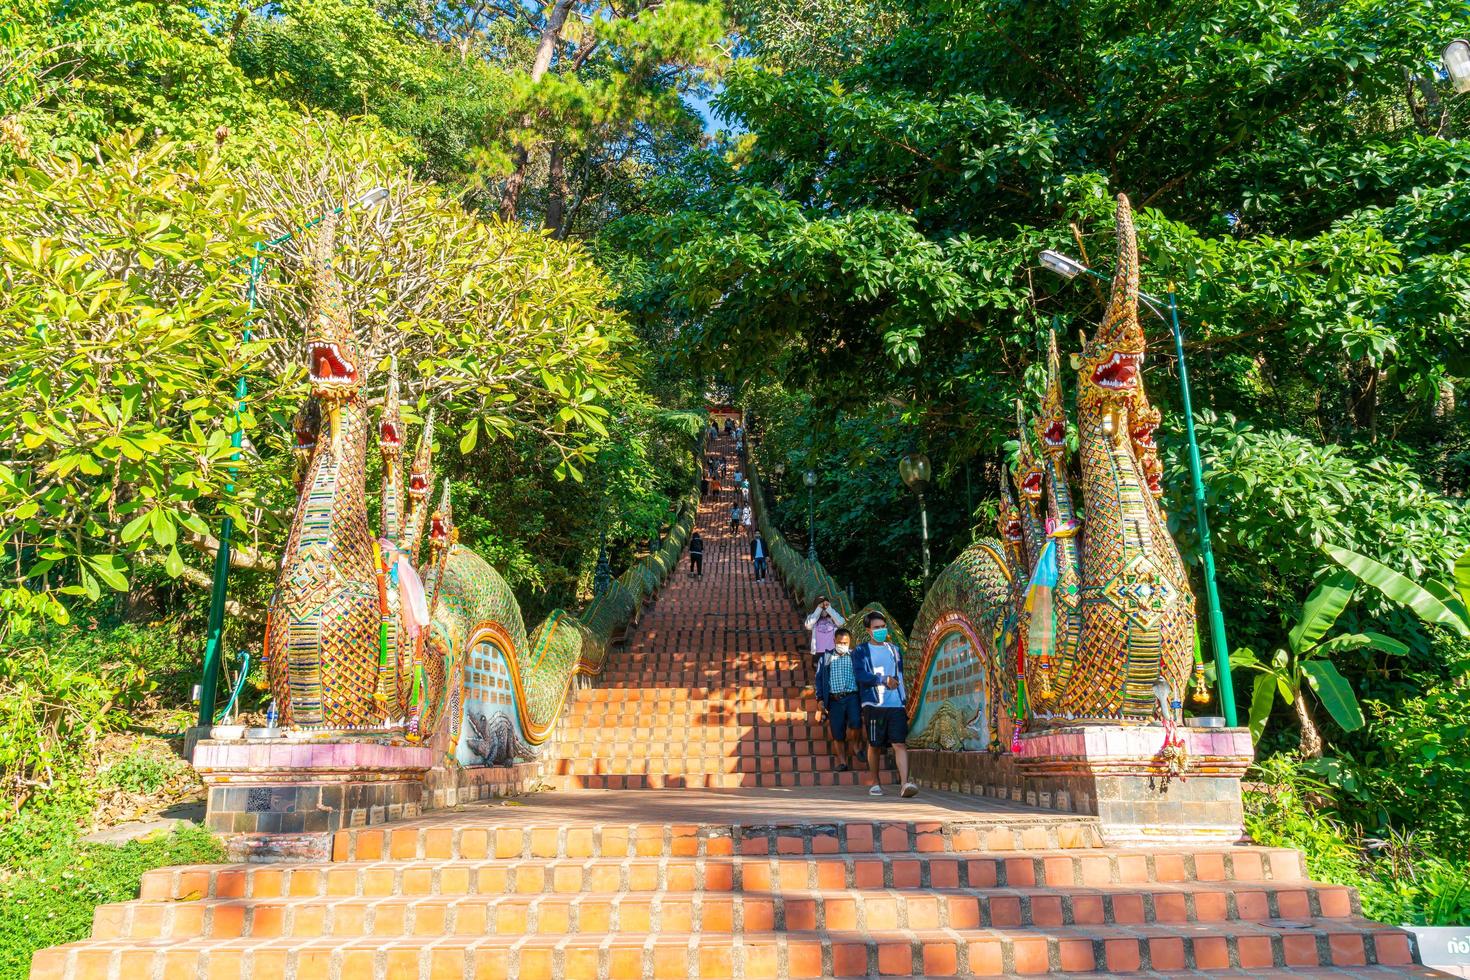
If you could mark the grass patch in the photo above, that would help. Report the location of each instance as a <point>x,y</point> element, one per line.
<point>49,900</point>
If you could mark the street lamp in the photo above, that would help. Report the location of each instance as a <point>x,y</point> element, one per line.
<point>1069,268</point>
<point>210,677</point>
<point>811,515</point>
<point>1457,64</point>
<point>914,469</point>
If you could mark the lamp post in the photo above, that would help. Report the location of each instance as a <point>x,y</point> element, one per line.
<point>811,515</point>
<point>1069,268</point>
<point>218,588</point>
<point>1457,64</point>
<point>914,469</point>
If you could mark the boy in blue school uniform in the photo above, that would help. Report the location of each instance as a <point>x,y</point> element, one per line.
<point>837,691</point>
<point>878,667</point>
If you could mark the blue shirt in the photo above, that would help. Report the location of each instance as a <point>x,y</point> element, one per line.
<point>883,660</point>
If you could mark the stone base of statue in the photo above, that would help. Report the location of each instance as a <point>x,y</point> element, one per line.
<point>278,798</point>
<point>1140,794</point>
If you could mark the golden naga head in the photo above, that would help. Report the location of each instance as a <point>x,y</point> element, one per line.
<point>1051,424</point>
<point>331,344</point>
<point>1028,470</point>
<point>306,427</point>
<point>442,533</point>
<point>419,476</point>
<point>1143,420</point>
<point>1111,361</point>
<point>1008,523</point>
<point>390,426</point>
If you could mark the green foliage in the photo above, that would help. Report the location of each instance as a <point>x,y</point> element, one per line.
<point>1398,879</point>
<point>1305,664</point>
<point>117,455</point>
<point>1420,765</point>
<point>141,772</point>
<point>50,899</point>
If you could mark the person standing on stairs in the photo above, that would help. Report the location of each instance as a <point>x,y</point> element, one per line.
<point>747,517</point>
<point>696,555</point>
<point>735,516</point>
<point>878,667</point>
<point>823,624</point>
<point>757,552</point>
<point>837,691</point>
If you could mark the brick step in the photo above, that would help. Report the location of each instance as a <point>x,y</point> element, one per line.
<point>729,720</point>
<point>659,912</point>
<point>732,759</point>
<point>764,694</point>
<point>1084,867</point>
<point>700,739</point>
<point>743,780</point>
<point>442,840</point>
<point>991,952</point>
<point>696,746</point>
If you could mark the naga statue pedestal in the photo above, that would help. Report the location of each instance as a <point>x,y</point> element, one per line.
<point>1139,793</point>
<point>1114,772</point>
<point>281,799</point>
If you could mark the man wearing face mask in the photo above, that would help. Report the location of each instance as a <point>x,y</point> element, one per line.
<point>878,669</point>
<point>837,691</point>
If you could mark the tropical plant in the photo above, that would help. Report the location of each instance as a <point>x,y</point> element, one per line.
<point>1305,664</point>
<point>1436,601</point>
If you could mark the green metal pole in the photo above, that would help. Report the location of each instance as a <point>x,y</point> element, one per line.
<point>210,678</point>
<point>1202,524</point>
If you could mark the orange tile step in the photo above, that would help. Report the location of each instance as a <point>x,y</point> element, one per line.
<point>449,838</point>
<point>656,912</point>
<point>1088,867</point>
<point>944,952</point>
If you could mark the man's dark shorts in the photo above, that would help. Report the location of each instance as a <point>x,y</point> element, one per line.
<point>885,726</point>
<point>844,714</point>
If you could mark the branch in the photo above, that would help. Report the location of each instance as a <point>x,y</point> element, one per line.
<point>241,555</point>
<point>250,614</point>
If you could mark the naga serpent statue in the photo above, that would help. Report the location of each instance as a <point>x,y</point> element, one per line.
<point>1116,613</point>
<point>360,637</point>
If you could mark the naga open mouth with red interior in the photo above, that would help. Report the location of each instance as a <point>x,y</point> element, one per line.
<point>388,434</point>
<point>418,484</point>
<point>1055,434</point>
<point>1144,436</point>
<point>438,531</point>
<point>1118,371</point>
<point>1031,484</point>
<point>329,365</point>
<point>1013,531</point>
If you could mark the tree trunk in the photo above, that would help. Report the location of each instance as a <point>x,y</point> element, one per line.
<point>1364,380</point>
<point>510,197</point>
<point>1311,742</point>
<point>556,185</point>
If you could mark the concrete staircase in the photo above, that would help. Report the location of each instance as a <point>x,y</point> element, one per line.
<point>702,832</point>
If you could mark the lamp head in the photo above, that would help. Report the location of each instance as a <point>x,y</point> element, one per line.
<point>810,478</point>
<point>1457,64</point>
<point>914,469</point>
<point>1063,265</point>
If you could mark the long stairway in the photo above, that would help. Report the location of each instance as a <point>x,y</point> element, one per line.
<point>700,831</point>
<point>714,689</point>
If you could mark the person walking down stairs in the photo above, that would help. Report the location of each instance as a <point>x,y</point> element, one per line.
<point>878,667</point>
<point>758,554</point>
<point>696,555</point>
